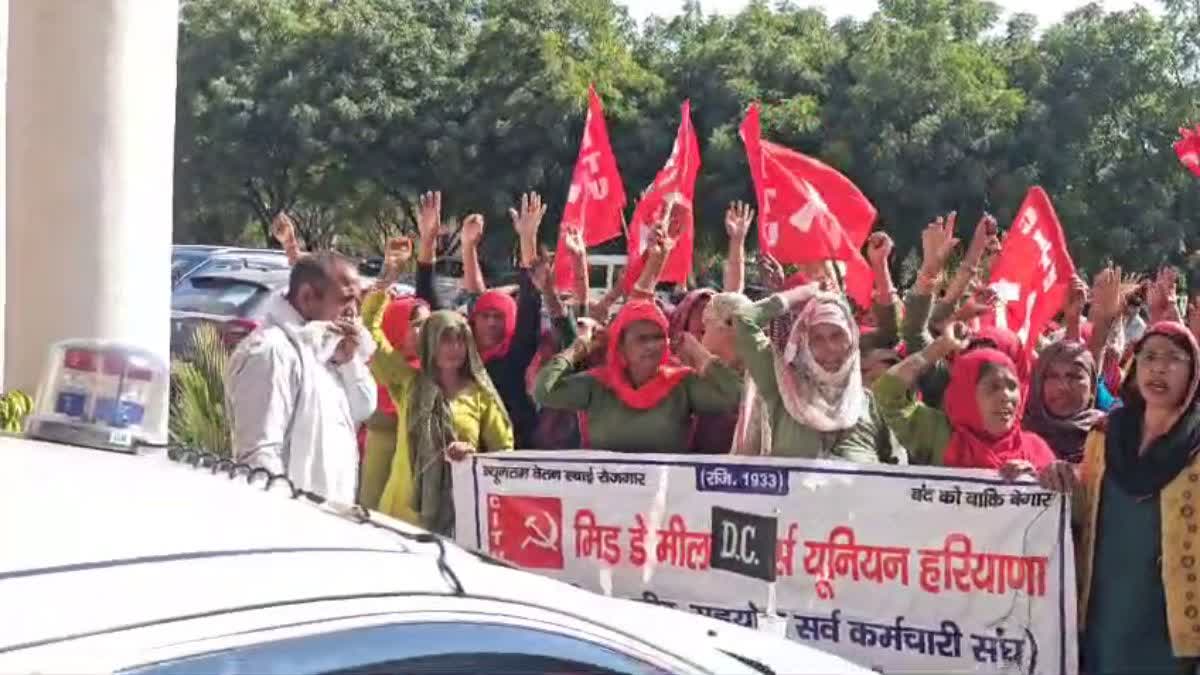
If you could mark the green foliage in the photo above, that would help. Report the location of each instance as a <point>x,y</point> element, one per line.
<point>198,418</point>
<point>343,112</point>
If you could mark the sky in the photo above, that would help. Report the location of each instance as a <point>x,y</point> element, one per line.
<point>1047,11</point>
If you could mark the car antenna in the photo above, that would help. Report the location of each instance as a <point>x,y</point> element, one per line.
<point>353,512</point>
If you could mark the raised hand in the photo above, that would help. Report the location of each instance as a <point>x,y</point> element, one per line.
<point>953,339</point>
<point>1077,297</point>
<point>986,237</point>
<point>528,219</point>
<point>1162,295</point>
<point>429,215</point>
<point>283,229</point>
<point>879,248</point>
<point>980,302</point>
<point>573,242</point>
<point>472,230</point>
<point>937,242</point>
<point>398,251</point>
<point>1109,293</point>
<point>738,218</point>
<point>772,272</point>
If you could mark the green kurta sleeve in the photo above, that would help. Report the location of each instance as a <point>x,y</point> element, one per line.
<point>887,324</point>
<point>564,330</point>
<point>916,336</point>
<point>924,431</point>
<point>718,391</point>
<point>942,311</point>
<point>556,386</point>
<point>752,343</point>
<point>915,330</point>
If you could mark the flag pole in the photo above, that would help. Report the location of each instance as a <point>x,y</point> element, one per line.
<point>837,274</point>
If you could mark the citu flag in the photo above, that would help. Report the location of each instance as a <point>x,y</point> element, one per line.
<point>596,196</point>
<point>1187,148</point>
<point>807,211</point>
<point>1033,272</point>
<point>674,186</point>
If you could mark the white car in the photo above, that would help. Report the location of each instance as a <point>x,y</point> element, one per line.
<point>142,564</point>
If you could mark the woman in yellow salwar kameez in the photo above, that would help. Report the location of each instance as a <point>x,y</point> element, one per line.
<point>444,409</point>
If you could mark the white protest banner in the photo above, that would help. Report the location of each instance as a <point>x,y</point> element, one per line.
<point>902,569</point>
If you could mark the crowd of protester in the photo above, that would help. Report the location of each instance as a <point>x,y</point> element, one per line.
<point>1104,407</point>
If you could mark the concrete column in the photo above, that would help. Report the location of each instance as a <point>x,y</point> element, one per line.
<point>3,236</point>
<point>91,120</point>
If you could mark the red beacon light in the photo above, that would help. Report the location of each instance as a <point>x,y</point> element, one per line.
<point>102,394</point>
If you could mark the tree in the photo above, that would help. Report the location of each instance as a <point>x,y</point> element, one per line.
<point>343,112</point>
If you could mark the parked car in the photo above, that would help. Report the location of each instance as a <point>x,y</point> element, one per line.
<point>190,259</point>
<point>144,565</point>
<point>231,301</point>
<point>447,281</point>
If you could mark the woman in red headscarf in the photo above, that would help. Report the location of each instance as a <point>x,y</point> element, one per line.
<point>401,326</point>
<point>689,313</point>
<point>638,401</point>
<point>980,426</point>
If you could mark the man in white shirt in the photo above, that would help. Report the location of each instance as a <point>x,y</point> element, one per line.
<point>1134,325</point>
<point>298,387</point>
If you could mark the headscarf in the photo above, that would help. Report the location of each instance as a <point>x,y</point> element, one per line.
<point>722,308</point>
<point>1009,344</point>
<point>430,428</point>
<point>970,444</point>
<point>612,373</point>
<point>498,301</point>
<point>812,396</point>
<point>1065,435</point>
<point>396,323</point>
<point>693,302</point>
<point>1143,474</point>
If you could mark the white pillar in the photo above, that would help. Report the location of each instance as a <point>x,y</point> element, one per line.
<point>91,120</point>
<point>3,236</point>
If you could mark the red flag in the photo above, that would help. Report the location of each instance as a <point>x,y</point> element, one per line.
<point>675,184</point>
<point>1188,149</point>
<point>596,197</point>
<point>1033,272</point>
<point>807,211</point>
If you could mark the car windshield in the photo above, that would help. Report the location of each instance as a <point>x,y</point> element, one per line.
<point>182,262</point>
<point>238,263</point>
<point>227,297</point>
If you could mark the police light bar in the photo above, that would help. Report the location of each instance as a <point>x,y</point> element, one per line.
<point>101,394</point>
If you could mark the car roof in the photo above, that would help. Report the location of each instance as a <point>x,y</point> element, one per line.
<point>269,279</point>
<point>96,542</point>
<point>216,249</point>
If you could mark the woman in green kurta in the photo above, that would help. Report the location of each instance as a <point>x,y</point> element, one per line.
<point>638,401</point>
<point>808,401</point>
